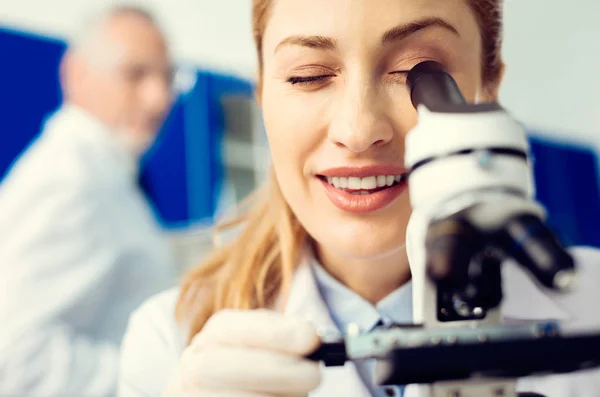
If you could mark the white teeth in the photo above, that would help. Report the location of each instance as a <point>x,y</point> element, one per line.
<point>369,183</point>
<point>354,183</point>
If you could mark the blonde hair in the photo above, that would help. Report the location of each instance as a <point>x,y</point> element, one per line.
<point>251,271</point>
<point>257,268</point>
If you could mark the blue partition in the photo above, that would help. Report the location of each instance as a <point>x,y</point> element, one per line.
<point>181,174</point>
<point>566,177</point>
<point>29,89</point>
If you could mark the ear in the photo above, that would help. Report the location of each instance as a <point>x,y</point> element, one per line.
<point>71,72</point>
<point>491,91</point>
<point>258,89</point>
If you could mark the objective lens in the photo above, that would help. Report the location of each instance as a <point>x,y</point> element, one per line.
<point>534,246</point>
<point>450,245</point>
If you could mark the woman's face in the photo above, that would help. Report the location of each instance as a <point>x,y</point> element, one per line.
<point>336,109</point>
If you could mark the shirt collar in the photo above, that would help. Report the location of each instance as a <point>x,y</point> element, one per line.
<point>346,307</point>
<point>304,299</point>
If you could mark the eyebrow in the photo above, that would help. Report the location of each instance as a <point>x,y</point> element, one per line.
<point>397,33</point>
<point>403,31</point>
<point>318,42</point>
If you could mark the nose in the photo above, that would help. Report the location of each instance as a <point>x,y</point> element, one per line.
<point>157,94</point>
<point>359,121</point>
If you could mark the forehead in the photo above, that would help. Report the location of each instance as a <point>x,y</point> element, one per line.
<point>353,21</point>
<point>135,37</point>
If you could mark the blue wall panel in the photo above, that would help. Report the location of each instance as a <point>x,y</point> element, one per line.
<point>164,169</point>
<point>29,89</point>
<point>183,173</point>
<point>567,184</point>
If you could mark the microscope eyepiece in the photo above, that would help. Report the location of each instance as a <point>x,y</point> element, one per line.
<point>432,86</point>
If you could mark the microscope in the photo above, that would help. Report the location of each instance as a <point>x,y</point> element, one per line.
<point>473,198</point>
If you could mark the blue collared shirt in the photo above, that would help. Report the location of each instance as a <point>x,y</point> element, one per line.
<point>346,307</point>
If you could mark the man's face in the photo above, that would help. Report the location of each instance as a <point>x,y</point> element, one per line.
<point>127,83</point>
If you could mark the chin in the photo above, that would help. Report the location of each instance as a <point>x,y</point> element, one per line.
<point>139,143</point>
<point>362,242</point>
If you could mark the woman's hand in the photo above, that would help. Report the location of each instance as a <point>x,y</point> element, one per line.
<point>251,353</point>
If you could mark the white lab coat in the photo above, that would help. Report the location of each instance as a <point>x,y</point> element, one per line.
<point>154,341</point>
<point>79,251</point>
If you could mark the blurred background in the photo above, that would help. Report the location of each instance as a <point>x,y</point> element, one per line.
<point>212,151</point>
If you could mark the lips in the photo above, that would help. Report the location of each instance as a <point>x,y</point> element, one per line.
<point>363,190</point>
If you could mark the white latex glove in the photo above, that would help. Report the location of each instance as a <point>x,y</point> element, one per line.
<point>250,353</point>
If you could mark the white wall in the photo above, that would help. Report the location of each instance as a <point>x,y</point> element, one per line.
<point>552,49</point>
<point>215,33</point>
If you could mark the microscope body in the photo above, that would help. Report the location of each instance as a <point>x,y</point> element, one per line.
<point>472,166</point>
<point>468,165</point>
<point>472,193</point>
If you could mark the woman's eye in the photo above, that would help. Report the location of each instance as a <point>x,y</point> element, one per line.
<point>399,75</point>
<point>308,79</point>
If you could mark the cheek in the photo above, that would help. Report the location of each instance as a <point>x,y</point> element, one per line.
<point>115,96</point>
<point>469,81</point>
<point>470,89</point>
<point>296,127</point>
<point>402,114</point>
<point>120,91</point>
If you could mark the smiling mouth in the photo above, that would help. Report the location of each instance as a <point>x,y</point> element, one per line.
<point>364,186</point>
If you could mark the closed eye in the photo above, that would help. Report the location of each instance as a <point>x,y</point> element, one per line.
<point>399,76</point>
<point>308,79</point>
